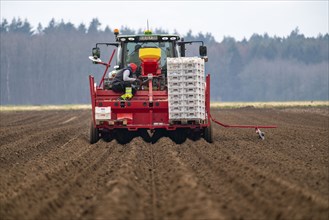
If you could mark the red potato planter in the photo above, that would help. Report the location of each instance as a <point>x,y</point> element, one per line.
<point>172,97</point>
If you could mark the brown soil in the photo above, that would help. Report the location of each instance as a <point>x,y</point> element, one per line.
<point>48,170</point>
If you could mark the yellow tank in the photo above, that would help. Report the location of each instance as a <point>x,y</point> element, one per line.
<point>149,53</point>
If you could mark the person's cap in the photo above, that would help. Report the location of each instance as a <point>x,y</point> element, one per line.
<point>133,66</point>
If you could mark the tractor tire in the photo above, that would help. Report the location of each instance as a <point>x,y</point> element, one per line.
<point>207,134</point>
<point>123,136</point>
<point>194,135</point>
<point>159,133</point>
<point>179,136</point>
<point>107,136</point>
<point>94,133</point>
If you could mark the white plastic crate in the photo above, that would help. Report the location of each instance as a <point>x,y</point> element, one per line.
<point>190,71</point>
<point>175,97</point>
<point>193,84</point>
<point>183,112</point>
<point>186,88</point>
<point>174,72</point>
<point>175,102</point>
<point>187,115</point>
<point>176,108</point>
<point>174,78</point>
<point>184,108</point>
<point>194,102</point>
<point>199,106</point>
<point>186,92</point>
<point>184,84</point>
<point>177,115</point>
<point>187,105</point>
<point>185,80</point>
<point>193,90</point>
<point>176,84</point>
<point>185,65</point>
<point>193,96</point>
<point>185,60</point>
<point>185,72</point>
<point>191,78</point>
<point>186,99</point>
<point>193,64</point>
<point>175,90</point>
<point>179,80</point>
<point>175,65</point>
<point>194,108</point>
<point>195,115</point>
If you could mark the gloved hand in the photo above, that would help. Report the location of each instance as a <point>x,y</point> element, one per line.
<point>137,81</point>
<point>136,84</point>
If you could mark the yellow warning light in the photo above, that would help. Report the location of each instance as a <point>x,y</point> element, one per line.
<point>116,31</point>
<point>147,32</point>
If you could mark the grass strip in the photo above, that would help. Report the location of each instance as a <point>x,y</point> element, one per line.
<point>269,104</point>
<point>227,105</point>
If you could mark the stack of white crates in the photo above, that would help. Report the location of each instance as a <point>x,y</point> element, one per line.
<point>186,89</point>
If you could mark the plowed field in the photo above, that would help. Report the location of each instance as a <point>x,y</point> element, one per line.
<point>48,169</point>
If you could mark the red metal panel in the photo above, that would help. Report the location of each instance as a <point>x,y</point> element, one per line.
<point>150,66</point>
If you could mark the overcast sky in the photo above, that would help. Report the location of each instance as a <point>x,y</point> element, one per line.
<point>237,19</point>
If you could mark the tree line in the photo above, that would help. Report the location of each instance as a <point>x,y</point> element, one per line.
<point>49,65</point>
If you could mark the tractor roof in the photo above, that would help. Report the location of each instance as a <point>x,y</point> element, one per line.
<point>147,37</point>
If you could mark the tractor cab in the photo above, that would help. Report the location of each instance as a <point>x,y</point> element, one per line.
<point>148,51</point>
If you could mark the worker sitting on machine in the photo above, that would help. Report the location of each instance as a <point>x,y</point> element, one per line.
<point>123,81</point>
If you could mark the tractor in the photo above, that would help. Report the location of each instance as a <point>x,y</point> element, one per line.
<point>172,94</point>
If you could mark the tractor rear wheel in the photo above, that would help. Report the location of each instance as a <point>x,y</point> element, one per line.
<point>123,136</point>
<point>179,135</point>
<point>207,134</point>
<point>94,133</point>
